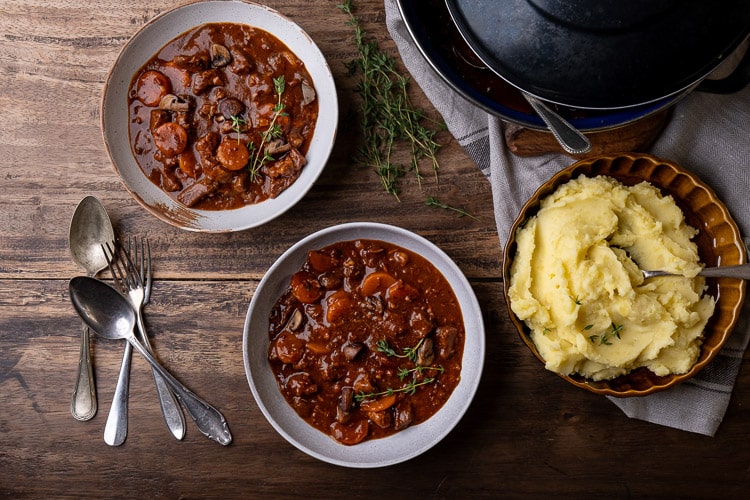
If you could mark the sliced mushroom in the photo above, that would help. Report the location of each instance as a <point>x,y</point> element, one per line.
<point>346,402</point>
<point>171,102</point>
<point>220,56</point>
<point>426,353</point>
<point>308,94</point>
<point>402,415</point>
<point>294,321</point>
<point>278,146</point>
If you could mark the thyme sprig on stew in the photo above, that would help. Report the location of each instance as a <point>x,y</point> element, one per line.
<point>237,123</point>
<point>417,370</point>
<point>409,353</point>
<point>389,115</point>
<point>410,389</point>
<point>259,154</point>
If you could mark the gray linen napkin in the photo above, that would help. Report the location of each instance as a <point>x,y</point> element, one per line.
<point>706,134</point>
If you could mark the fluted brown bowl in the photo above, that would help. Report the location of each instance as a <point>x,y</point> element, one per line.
<point>719,243</point>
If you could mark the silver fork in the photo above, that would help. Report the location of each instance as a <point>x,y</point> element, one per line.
<point>131,282</point>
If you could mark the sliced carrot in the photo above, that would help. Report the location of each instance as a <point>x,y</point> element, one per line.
<point>321,262</point>
<point>338,305</point>
<point>376,282</point>
<point>380,404</point>
<point>151,87</point>
<point>305,287</point>
<point>317,347</point>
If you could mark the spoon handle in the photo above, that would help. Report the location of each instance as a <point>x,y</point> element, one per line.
<point>208,419</point>
<point>83,404</point>
<point>740,271</point>
<point>571,139</point>
<point>116,428</point>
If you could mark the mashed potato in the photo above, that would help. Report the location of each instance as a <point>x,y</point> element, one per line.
<point>576,281</point>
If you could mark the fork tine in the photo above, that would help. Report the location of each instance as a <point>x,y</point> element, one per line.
<point>132,272</point>
<point>148,269</point>
<point>114,266</point>
<point>139,257</point>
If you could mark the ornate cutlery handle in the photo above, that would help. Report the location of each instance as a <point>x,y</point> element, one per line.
<point>208,419</point>
<point>83,404</point>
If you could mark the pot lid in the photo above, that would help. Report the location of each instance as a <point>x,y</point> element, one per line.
<point>602,54</point>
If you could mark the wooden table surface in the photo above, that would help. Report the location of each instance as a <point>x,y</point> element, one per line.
<point>526,433</point>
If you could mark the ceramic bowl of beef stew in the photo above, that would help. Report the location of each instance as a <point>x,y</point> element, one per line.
<point>364,345</point>
<point>219,116</point>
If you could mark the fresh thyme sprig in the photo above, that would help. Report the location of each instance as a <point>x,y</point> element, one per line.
<point>389,115</point>
<point>237,123</point>
<point>409,352</point>
<point>604,338</point>
<point>434,202</point>
<point>410,388</point>
<point>417,370</point>
<point>258,152</point>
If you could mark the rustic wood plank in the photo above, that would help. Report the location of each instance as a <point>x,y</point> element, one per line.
<point>526,433</point>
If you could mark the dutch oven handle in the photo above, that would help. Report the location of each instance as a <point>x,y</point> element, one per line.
<point>735,82</point>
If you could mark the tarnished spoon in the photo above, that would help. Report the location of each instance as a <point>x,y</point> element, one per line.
<point>90,228</point>
<point>740,271</point>
<point>111,316</point>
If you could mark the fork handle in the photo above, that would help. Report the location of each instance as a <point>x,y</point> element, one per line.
<point>209,420</point>
<point>170,407</point>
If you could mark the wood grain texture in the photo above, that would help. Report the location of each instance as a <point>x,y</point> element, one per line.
<point>527,432</point>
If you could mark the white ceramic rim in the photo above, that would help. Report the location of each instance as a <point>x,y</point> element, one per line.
<point>403,445</point>
<point>157,33</point>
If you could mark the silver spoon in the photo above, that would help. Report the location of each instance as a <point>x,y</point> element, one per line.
<point>740,271</point>
<point>111,316</point>
<point>89,229</point>
<point>570,138</point>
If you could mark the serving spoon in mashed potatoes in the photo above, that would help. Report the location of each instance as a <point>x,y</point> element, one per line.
<point>741,271</point>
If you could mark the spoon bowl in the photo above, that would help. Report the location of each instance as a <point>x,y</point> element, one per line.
<point>111,316</point>
<point>90,228</point>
